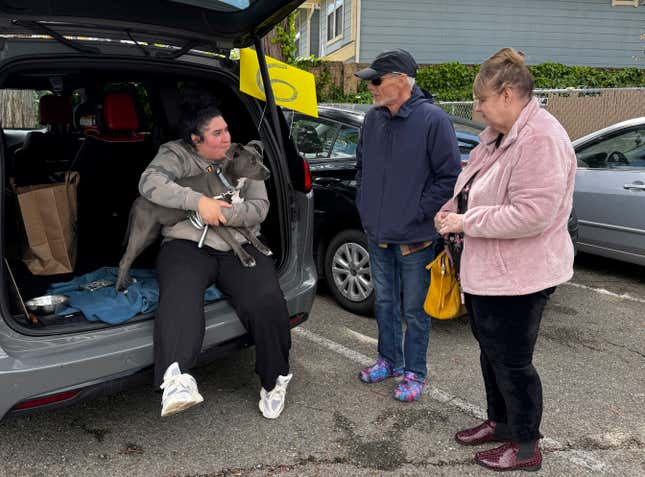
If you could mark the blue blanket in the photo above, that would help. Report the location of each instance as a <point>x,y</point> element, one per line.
<point>106,304</point>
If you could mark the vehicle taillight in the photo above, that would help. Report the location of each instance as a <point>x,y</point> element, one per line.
<point>307,173</point>
<point>298,318</point>
<point>42,401</point>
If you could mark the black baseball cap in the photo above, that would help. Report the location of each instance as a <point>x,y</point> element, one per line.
<point>399,61</point>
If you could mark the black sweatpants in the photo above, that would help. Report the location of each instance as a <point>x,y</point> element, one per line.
<point>184,272</point>
<point>506,328</point>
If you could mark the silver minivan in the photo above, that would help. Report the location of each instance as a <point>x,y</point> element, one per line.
<point>104,81</point>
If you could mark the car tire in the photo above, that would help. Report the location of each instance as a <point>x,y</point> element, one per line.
<point>348,273</point>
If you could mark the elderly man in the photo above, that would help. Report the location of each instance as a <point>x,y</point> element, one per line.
<point>407,164</point>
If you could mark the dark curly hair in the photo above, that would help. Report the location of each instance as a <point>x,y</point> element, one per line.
<point>197,110</point>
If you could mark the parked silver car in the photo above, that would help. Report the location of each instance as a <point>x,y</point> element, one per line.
<point>609,196</point>
<point>70,57</point>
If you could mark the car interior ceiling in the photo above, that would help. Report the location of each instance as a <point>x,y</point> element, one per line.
<point>109,153</point>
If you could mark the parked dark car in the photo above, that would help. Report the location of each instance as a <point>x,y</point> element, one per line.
<point>109,78</point>
<point>340,246</point>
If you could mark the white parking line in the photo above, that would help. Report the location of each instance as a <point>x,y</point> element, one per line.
<point>360,336</point>
<point>580,458</point>
<point>602,291</point>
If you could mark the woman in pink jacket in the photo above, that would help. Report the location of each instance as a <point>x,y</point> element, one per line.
<point>507,228</point>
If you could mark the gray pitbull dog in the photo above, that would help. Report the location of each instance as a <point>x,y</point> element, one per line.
<point>147,218</point>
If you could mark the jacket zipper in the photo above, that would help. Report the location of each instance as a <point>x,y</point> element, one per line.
<point>384,178</point>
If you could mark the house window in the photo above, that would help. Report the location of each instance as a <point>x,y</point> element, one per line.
<point>334,19</point>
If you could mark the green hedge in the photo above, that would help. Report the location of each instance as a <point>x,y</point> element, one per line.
<point>448,81</point>
<point>453,81</point>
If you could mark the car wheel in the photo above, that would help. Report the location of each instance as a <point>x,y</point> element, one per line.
<point>348,274</point>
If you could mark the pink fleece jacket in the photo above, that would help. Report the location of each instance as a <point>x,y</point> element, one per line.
<point>516,240</point>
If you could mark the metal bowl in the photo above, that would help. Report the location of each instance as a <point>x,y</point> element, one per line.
<point>47,304</point>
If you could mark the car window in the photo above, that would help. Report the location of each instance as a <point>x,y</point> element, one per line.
<point>345,145</point>
<point>466,145</point>
<point>314,138</point>
<point>625,150</point>
<point>467,129</point>
<point>19,108</point>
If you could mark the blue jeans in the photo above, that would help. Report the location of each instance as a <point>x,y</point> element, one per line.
<point>400,284</point>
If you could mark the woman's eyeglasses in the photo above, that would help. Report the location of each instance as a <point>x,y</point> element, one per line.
<point>379,80</point>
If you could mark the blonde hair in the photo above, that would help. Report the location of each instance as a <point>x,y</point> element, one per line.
<point>505,69</point>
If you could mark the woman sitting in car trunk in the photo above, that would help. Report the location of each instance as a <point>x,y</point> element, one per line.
<point>185,270</point>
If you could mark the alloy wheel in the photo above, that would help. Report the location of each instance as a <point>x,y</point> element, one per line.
<point>351,272</point>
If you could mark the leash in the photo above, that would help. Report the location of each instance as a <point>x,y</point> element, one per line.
<point>196,219</point>
<point>218,170</point>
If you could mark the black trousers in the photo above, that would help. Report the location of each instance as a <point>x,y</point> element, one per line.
<point>184,272</point>
<point>506,328</point>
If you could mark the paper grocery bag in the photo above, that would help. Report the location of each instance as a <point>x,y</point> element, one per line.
<point>49,216</point>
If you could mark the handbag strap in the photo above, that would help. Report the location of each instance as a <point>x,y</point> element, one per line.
<point>444,268</point>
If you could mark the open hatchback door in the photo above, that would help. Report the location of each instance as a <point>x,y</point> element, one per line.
<point>222,24</point>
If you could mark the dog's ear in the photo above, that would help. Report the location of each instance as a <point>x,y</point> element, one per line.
<point>257,146</point>
<point>234,148</point>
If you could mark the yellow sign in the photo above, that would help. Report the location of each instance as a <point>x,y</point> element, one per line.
<point>293,88</point>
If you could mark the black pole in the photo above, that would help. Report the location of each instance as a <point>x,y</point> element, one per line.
<point>268,91</point>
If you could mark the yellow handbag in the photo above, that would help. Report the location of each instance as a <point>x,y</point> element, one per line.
<point>443,300</point>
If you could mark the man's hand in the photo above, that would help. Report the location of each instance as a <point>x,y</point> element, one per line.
<point>211,210</point>
<point>448,222</point>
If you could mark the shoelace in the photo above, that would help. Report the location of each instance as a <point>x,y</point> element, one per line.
<point>279,391</point>
<point>182,380</point>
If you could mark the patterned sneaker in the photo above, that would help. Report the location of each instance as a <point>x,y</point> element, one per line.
<point>272,402</point>
<point>410,388</point>
<point>379,371</point>
<point>179,391</point>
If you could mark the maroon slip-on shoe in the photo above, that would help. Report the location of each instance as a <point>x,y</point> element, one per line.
<point>481,434</point>
<point>505,458</point>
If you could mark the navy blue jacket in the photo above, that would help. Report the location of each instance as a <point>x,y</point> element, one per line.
<point>407,165</point>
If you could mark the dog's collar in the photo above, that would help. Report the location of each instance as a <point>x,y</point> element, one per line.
<point>222,177</point>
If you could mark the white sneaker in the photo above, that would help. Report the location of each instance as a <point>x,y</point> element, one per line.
<point>272,403</point>
<point>179,391</point>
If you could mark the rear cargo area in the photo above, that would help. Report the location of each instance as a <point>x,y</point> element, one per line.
<point>75,144</point>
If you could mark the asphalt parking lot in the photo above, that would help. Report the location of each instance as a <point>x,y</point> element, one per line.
<point>591,357</point>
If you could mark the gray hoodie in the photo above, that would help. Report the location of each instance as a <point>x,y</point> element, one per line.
<point>176,160</point>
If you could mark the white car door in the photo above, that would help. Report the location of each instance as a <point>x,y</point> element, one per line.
<point>609,196</point>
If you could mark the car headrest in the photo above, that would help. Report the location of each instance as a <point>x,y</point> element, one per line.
<point>307,139</point>
<point>55,110</point>
<point>119,112</point>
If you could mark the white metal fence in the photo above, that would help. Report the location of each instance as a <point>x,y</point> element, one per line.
<point>461,109</point>
<point>580,111</point>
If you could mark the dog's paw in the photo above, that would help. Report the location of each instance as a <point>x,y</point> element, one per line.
<point>122,284</point>
<point>247,261</point>
<point>265,251</point>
